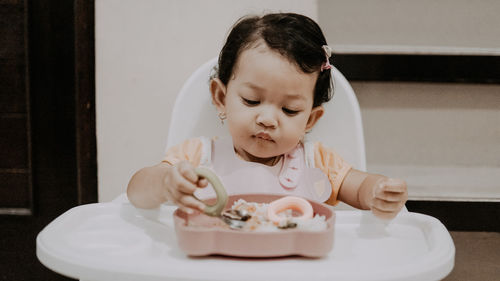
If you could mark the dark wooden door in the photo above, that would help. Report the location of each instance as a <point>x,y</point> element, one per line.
<point>47,124</point>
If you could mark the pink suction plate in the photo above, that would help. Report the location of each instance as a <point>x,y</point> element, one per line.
<point>201,235</point>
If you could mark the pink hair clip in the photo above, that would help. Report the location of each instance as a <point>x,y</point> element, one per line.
<point>328,53</point>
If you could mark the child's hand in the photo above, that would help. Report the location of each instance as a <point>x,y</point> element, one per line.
<point>180,182</point>
<point>389,197</point>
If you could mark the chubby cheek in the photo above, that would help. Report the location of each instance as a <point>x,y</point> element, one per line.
<point>238,132</point>
<point>239,122</point>
<point>293,133</point>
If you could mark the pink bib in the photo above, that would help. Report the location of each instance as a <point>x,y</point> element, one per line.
<point>290,176</point>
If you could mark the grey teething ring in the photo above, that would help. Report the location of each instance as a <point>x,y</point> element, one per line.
<point>216,209</point>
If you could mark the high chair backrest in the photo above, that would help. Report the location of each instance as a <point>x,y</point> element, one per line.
<point>340,128</point>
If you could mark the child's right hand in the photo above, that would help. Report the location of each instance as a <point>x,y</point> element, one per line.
<point>180,182</point>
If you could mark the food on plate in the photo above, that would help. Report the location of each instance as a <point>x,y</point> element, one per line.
<point>255,217</point>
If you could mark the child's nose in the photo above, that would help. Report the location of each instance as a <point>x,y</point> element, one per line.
<point>267,118</point>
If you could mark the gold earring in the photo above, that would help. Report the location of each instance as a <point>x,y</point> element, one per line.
<point>222,117</point>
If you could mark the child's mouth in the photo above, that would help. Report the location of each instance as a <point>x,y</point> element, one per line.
<point>264,136</point>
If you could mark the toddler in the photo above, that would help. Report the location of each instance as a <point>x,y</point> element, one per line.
<point>273,76</point>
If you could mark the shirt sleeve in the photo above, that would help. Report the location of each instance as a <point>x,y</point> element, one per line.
<point>190,150</point>
<point>334,166</point>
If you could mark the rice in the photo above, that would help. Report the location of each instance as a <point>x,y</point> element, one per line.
<point>259,221</point>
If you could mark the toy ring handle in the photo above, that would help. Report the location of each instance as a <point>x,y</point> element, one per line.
<point>289,202</point>
<point>216,209</point>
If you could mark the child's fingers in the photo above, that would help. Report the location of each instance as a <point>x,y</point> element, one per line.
<point>386,206</point>
<point>192,202</point>
<point>385,209</point>
<point>186,209</point>
<point>391,190</point>
<point>202,182</point>
<point>177,185</point>
<point>182,184</point>
<point>391,196</point>
<point>180,188</point>
<point>185,201</point>
<point>187,171</point>
<point>394,185</point>
<point>384,214</point>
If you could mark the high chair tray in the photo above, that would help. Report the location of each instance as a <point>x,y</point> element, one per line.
<point>116,241</point>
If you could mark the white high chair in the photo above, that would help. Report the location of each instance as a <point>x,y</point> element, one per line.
<point>116,241</point>
<point>340,127</point>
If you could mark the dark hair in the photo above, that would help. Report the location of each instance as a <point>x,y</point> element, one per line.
<point>296,37</point>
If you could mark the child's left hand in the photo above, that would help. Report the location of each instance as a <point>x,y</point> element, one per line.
<point>389,197</point>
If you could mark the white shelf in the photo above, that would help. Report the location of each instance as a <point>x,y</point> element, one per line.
<point>414,50</point>
<point>450,183</point>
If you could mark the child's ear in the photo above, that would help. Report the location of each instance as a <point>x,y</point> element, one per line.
<point>315,115</point>
<point>218,90</point>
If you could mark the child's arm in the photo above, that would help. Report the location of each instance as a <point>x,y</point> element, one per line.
<point>384,196</point>
<point>151,186</point>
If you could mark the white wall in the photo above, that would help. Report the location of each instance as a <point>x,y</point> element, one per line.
<point>145,50</point>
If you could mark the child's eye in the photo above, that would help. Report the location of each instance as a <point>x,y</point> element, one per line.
<point>290,112</point>
<point>250,102</point>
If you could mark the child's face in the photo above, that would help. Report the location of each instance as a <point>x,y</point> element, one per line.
<point>268,104</point>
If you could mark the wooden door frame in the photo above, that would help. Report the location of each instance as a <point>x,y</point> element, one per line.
<point>62,76</point>
<point>86,145</point>
<point>60,81</point>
